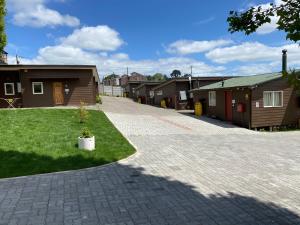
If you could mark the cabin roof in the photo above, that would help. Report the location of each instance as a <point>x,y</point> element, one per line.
<point>245,81</point>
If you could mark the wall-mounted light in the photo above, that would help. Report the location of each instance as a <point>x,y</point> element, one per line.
<point>67,90</point>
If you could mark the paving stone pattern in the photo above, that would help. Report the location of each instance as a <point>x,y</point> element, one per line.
<point>187,171</point>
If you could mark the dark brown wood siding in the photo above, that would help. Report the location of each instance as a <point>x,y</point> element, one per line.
<point>80,83</point>
<point>9,77</point>
<point>131,89</point>
<point>275,116</point>
<point>218,111</point>
<point>168,91</point>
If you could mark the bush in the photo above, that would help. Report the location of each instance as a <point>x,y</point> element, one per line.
<point>98,99</point>
<point>86,133</point>
<point>83,113</point>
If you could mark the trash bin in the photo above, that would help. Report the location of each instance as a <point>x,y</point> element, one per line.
<point>198,109</point>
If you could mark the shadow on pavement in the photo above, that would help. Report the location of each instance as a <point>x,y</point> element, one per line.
<point>120,194</point>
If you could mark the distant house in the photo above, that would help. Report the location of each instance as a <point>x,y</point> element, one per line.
<point>175,91</point>
<point>144,92</point>
<point>47,85</point>
<point>124,80</point>
<point>137,77</point>
<point>129,83</point>
<point>112,80</point>
<point>3,57</point>
<point>129,88</point>
<point>265,100</point>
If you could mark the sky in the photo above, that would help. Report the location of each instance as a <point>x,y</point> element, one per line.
<point>147,36</point>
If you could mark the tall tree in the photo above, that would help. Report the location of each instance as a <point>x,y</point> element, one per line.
<point>159,77</point>
<point>175,73</point>
<point>249,21</point>
<point>2,25</point>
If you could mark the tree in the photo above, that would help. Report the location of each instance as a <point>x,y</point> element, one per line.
<point>249,21</point>
<point>111,76</point>
<point>175,73</point>
<point>159,77</point>
<point>2,25</point>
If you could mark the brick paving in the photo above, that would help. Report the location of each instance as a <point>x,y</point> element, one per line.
<point>186,172</point>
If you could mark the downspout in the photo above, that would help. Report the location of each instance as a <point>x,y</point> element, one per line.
<point>250,109</point>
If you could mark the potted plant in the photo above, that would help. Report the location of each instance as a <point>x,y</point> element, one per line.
<point>86,141</point>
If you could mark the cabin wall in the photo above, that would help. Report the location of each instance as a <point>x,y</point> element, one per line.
<point>168,91</point>
<point>10,77</point>
<point>276,116</point>
<point>218,111</point>
<point>80,83</point>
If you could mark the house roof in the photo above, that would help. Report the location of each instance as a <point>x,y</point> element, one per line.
<point>149,83</point>
<point>184,79</point>
<point>50,67</point>
<point>246,81</point>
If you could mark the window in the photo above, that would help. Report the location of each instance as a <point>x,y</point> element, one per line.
<point>212,98</point>
<point>273,98</point>
<point>183,96</point>
<point>9,88</point>
<point>160,92</point>
<point>37,88</point>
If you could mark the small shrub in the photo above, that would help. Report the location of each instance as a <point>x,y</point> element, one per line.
<point>86,133</point>
<point>83,113</point>
<point>98,99</point>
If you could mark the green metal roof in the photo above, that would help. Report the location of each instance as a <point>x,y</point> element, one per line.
<point>246,81</point>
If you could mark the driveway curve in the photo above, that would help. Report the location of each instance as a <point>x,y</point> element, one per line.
<point>186,171</point>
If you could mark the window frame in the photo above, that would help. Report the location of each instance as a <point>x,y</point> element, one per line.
<point>42,88</point>
<point>13,88</point>
<point>210,100</point>
<point>273,99</point>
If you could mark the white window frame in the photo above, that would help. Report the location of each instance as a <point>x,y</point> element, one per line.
<point>42,88</point>
<point>13,88</point>
<point>273,99</point>
<point>212,103</point>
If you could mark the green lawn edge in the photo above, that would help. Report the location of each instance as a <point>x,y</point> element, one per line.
<point>38,141</point>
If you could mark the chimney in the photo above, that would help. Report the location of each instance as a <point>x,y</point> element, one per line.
<point>284,60</point>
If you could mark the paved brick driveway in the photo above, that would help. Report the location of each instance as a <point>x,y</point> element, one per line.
<point>186,172</point>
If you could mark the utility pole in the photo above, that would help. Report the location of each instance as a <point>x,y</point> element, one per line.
<point>127,71</point>
<point>191,71</point>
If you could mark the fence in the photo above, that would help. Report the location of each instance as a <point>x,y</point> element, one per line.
<point>111,90</point>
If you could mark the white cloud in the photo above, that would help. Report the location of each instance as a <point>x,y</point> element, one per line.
<point>185,47</point>
<point>117,63</point>
<point>101,38</point>
<point>254,52</point>
<point>272,26</point>
<point>252,69</point>
<point>268,27</point>
<point>34,13</point>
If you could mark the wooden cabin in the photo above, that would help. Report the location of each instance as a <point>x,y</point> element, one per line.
<point>265,100</point>
<point>47,85</point>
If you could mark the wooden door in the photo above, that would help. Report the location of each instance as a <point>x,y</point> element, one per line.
<point>58,94</point>
<point>228,105</point>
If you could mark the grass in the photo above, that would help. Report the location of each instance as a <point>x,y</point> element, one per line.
<point>36,141</point>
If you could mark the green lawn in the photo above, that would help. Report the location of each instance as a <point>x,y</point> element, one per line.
<point>36,141</point>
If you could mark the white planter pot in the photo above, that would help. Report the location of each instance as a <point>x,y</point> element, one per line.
<point>86,143</point>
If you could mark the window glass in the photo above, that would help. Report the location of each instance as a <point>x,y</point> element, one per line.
<point>9,88</point>
<point>277,99</point>
<point>37,88</point>
<point>273,99</point>
<point>212,98</point>
<point>183,96</point>
<point>268,99</point>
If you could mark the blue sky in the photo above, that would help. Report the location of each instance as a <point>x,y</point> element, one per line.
<point>146,36</point>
